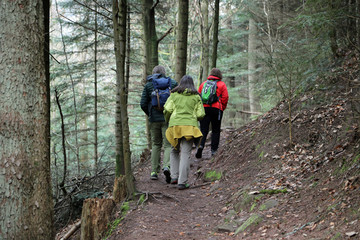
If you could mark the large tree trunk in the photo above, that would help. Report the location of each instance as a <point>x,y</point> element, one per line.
<point>119,19</point>
<point>25,191</point>
<point>181,39</point>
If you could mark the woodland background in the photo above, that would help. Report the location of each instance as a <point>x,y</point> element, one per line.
<point>268,51</point>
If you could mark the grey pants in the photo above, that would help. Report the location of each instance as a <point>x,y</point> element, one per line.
<point>180,160</point>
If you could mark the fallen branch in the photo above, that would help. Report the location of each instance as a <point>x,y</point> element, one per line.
<point>200,185</point>
<point>247,112</point>
<point>152,194</point>
<point>75,227</point>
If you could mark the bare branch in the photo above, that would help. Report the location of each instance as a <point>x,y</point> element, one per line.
<point>165,34</point>
<point>155,4</point>
<point>93,10</point>
<point>91,29</point>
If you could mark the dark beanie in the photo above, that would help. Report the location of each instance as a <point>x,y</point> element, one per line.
<point>216,72</point>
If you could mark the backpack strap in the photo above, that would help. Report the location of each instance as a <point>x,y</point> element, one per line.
<point>158,100</point>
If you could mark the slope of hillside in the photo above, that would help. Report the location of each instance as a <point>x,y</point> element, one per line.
<point>270,189</point>
<point>258,186</point>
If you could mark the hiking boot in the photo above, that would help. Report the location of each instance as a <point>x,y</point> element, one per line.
<point>173,181</point>
<point>199,152</point>
<point>167,174</point>
<point>213,152</point>
<point>154,176</point>
<point>183,186</point>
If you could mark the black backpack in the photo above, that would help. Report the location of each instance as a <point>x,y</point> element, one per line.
<point>162,88</point>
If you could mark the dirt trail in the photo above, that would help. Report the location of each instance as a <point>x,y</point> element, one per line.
<point>170,213</point>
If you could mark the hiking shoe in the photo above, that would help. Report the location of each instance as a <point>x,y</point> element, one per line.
<point>173,181</point>
<point>213,152</point>
<point>183,186</point>
<point>154,176</point>
<point>199,152</point>
<point>167,175</point>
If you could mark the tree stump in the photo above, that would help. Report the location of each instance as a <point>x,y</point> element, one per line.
<point>120,189</point>
<point>95,216</point>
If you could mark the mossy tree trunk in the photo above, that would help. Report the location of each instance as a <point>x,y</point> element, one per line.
<point>25,188</point>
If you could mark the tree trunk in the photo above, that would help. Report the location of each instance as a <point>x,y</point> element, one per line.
<point>215,35</point>
<point>205,43</point>
<point>74,96</point>
<point>252,66</point>
<point>119,19</point>
<point>358,23</point>
<point>150,38</point>
<point>25,188</point>
<point>150,48</point>
<point>95,216</point>
<point>95,95</point>
<point>181,39</point>
<point>332,33</point>
<point>62,183</point>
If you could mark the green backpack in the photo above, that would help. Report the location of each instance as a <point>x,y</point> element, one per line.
<point>208,92</point>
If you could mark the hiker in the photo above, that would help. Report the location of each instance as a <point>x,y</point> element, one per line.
<point>214,108</point>
<point>183,110</point>
<point>157,122</point>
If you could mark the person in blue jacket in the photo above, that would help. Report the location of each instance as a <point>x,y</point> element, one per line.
<point>158,126</point>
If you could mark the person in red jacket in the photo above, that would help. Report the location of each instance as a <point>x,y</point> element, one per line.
<point>214,113</point>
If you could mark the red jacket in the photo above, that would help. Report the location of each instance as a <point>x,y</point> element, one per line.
<point>221,92</point>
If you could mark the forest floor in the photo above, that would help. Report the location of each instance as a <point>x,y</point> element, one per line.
<point>268,189</point>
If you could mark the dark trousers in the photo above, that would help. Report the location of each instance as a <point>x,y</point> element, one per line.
<point>213,116</point>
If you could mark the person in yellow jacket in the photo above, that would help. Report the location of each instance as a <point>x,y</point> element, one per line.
<point>182,110</point>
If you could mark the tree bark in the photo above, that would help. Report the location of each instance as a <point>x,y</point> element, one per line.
<point>150,37</point>
<point>96,154</point>
<point>95,216</point>
<point>215,35</point>
<point>206,40</point>
<point>62,183</point>
<point>119,19</point>
<point>181,39</point>
<point>151,57</point>
<point>25,188</point>
<point>252,45</point>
